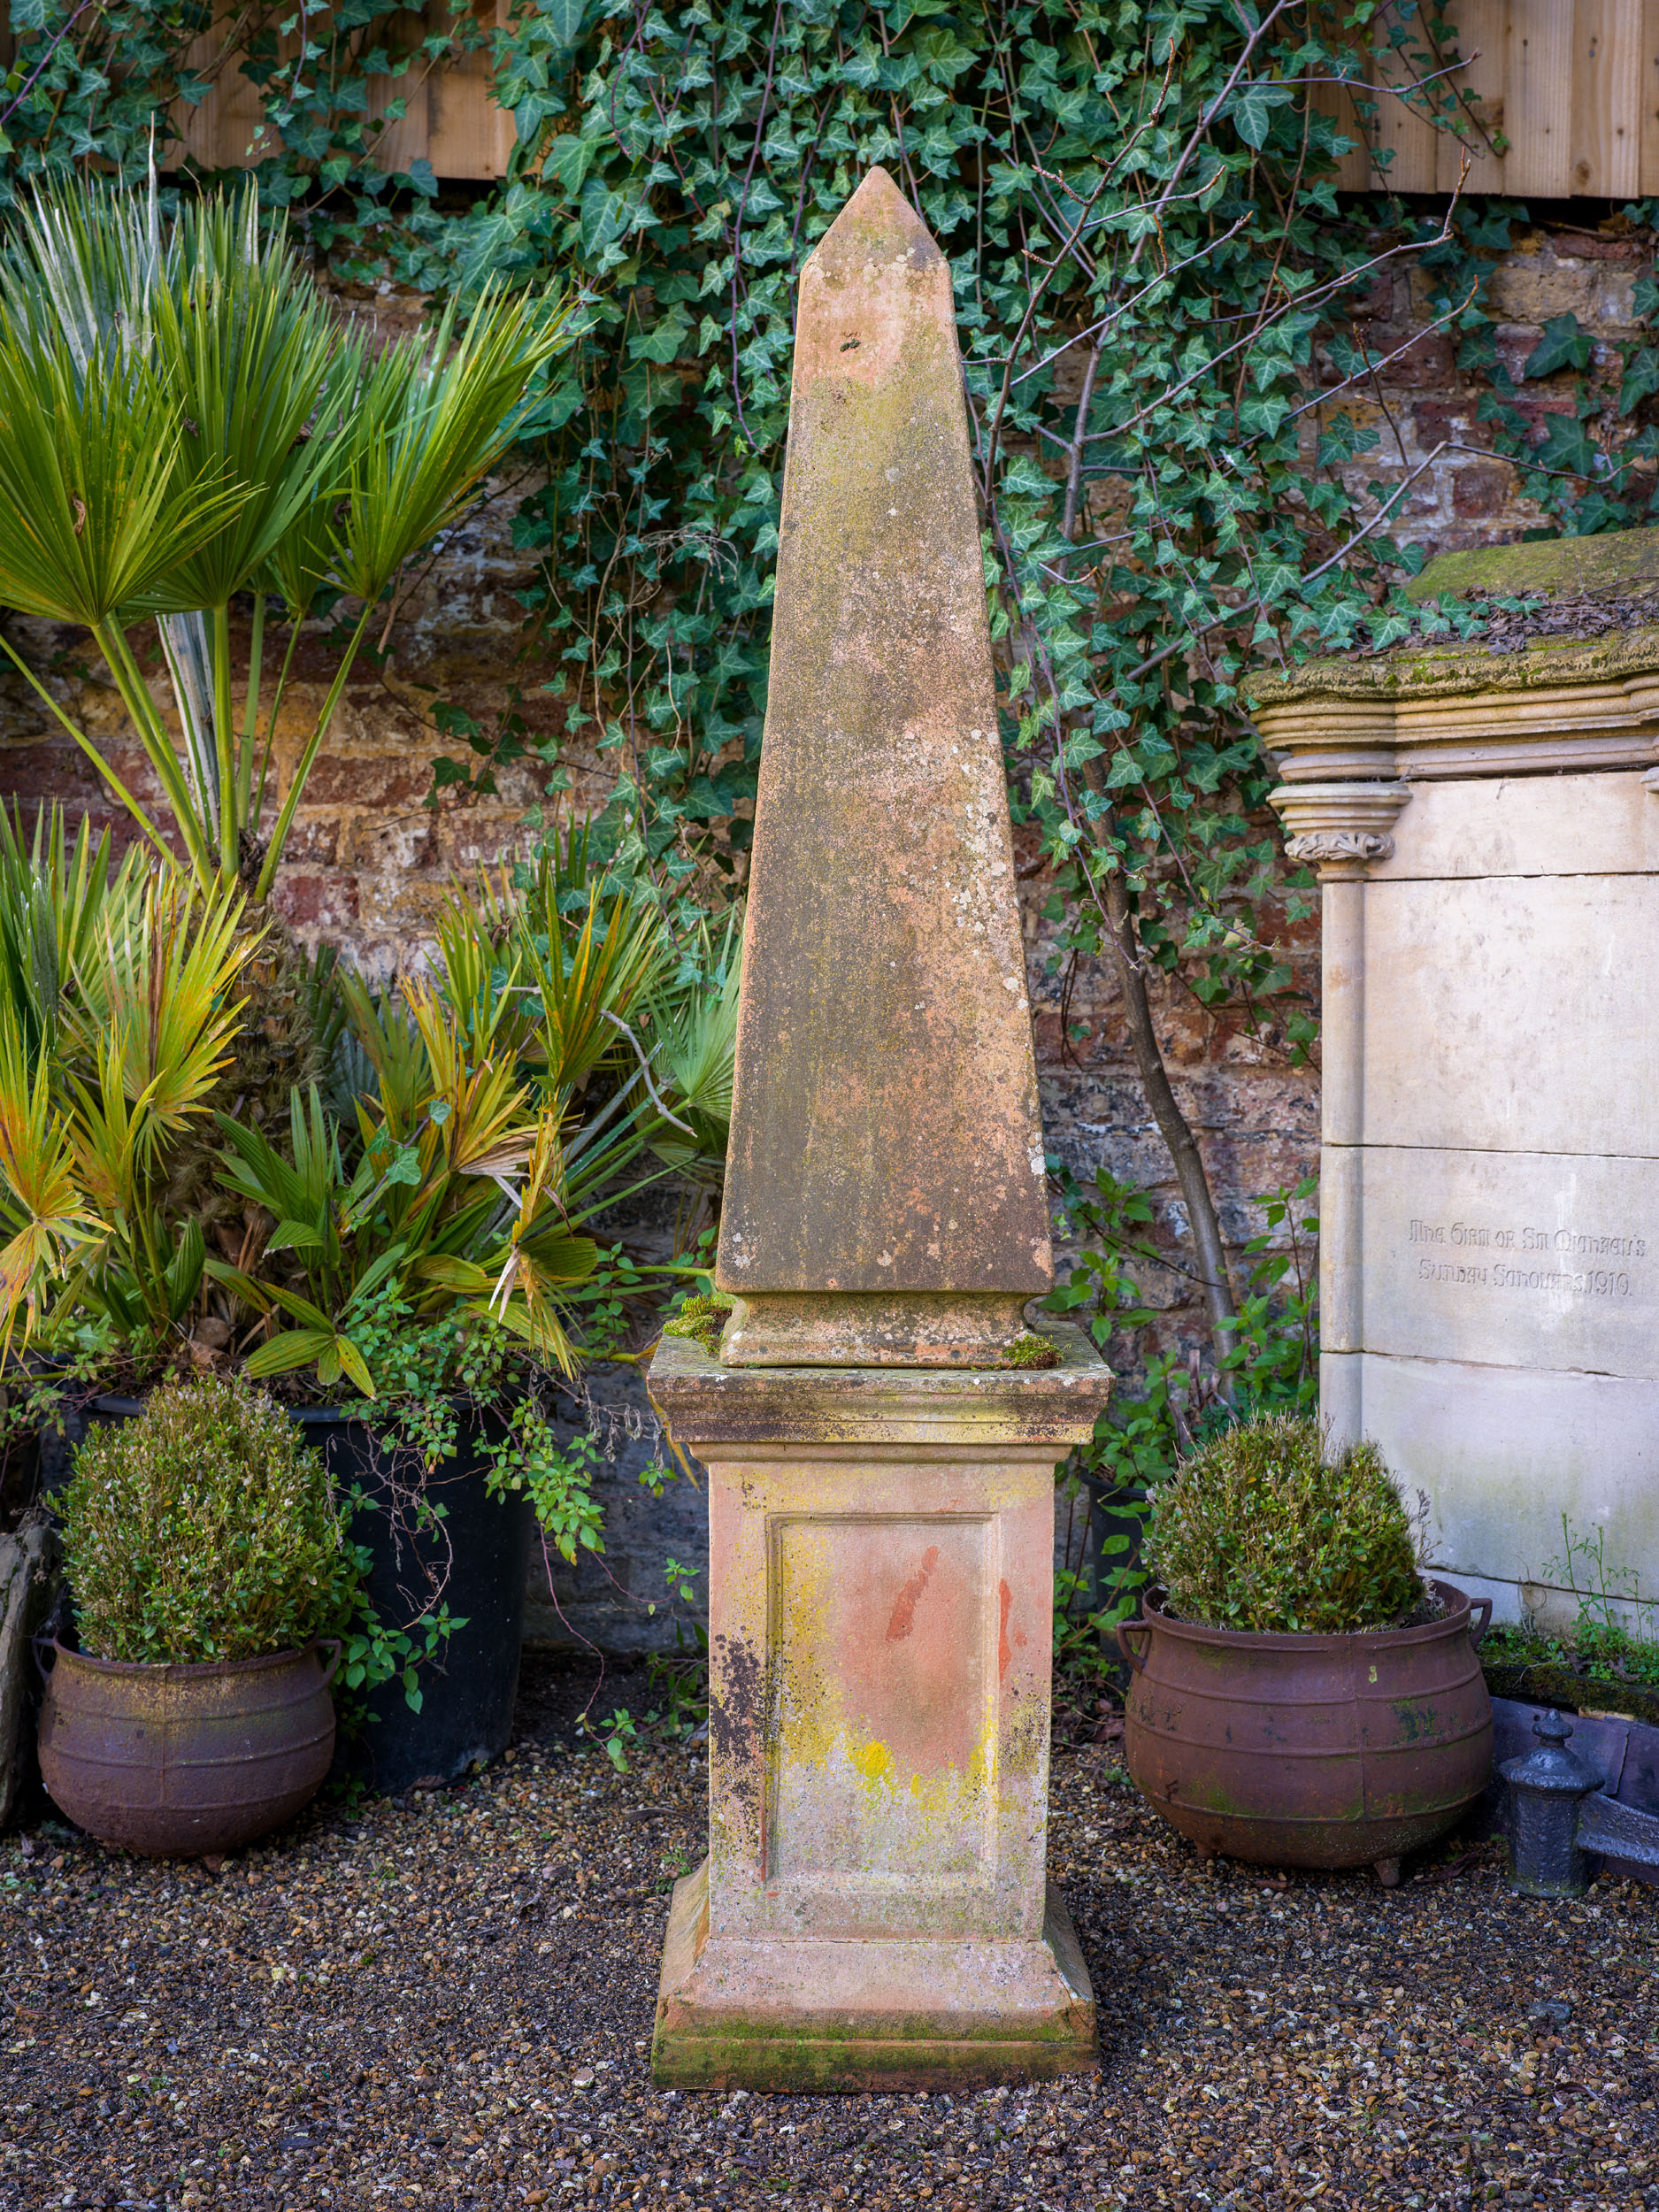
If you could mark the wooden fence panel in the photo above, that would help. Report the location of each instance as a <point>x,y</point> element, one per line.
<point>450,120</point>
<point>1607,97</point>
<point>1572,85</point>
<point>1566,105</point>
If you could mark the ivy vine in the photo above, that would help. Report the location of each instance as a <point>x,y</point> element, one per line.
<point>1157,285</point>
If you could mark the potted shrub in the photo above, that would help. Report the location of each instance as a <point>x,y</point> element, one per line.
<point>208,1563</point>
<point>1300,1696</point>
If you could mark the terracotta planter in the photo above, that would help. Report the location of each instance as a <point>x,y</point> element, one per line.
<point>1309,1751</point>
<point>176,1760</point>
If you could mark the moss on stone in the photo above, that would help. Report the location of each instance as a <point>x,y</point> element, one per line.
<point>1031,1350</point>
<point>702,1319</point>
<point>1460,669</point>
<point>1620,561</point>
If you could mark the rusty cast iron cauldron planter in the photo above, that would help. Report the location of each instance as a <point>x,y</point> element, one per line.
<point>1309,1751</point>
<point>177,1760</point>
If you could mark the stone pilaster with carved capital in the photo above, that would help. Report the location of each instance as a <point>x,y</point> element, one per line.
<point>1341,829</point>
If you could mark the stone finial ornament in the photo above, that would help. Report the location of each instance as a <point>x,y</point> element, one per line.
<point>885,1196</point>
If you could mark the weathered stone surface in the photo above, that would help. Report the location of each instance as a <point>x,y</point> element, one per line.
<point>1490,1171</point>
<point>1618,561</point>
<point>1460,669</point>
<point>1489,1256</point>
<point>1483,993</point>
<point>881,1562</point>
<point>878,2014</point>
<point>885,1135</point>
<point>1511,826</point>
<point>1501,1452</point>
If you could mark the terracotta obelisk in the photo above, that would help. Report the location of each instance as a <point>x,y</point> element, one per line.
<point>874,1908</point>
<point>885,1197</point>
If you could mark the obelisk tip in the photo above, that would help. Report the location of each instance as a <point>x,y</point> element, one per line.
<point>878,224</point>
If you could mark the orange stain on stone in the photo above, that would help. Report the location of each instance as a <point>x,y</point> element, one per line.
<point>903,1618</point>
<point>1004,1649</point>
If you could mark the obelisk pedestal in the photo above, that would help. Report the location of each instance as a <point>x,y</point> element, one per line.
<point>874,1908</point>
<point>880,1445</point>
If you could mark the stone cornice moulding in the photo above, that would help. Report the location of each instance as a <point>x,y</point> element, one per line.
<point>1323,737</point>
<point>1340,828</point>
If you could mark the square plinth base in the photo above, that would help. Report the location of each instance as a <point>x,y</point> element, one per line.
<point>908,2013</point>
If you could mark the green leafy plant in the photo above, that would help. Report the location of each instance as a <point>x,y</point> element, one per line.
<point>1259,1530</point>
<point>141,1030</point>
<point>183,420</point>
<point>1615,1621</point>
<point>202,1530</point>
<point>499,1104</point>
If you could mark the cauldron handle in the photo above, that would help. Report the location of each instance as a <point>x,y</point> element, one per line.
<point>1126,1628</point>
<point>1483,1606</point>
<point>332,1644</point>
<point>42,1646</point>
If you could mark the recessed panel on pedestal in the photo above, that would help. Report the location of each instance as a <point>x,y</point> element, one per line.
<point>883,1750</point>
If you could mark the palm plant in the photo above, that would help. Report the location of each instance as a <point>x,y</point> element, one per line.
<point>182,420</point>
<point>694,1023</point>
<point>457,1204</point>
<point>54,898</point>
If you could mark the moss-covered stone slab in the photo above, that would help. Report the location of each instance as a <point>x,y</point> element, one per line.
<point>1617,561</point>
<point>1552,1682</point>
<point>737,2013</point>
<point>1460,668</point>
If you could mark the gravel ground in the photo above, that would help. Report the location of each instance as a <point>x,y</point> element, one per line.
<point>446,2002</point>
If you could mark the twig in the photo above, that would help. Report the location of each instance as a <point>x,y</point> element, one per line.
<point>645,1070</point>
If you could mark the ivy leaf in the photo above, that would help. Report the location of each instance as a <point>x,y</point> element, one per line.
<point>564,18</point>
<point>665,340</point>
<point>1260,418</point>
<point>569,159</point>
<point>1641,379</point>
<point>1567,446</point>
<point>1251,110</point>
<point>1563,345</point>
<point>604,219</point>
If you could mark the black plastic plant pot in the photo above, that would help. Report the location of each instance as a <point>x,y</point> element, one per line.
<point>474,1561</point>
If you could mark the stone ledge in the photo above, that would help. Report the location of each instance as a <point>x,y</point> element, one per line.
<point>1615,561</point>
<point>811,2014</point>
<point>707,1404</point>
<point>1460,669</point>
